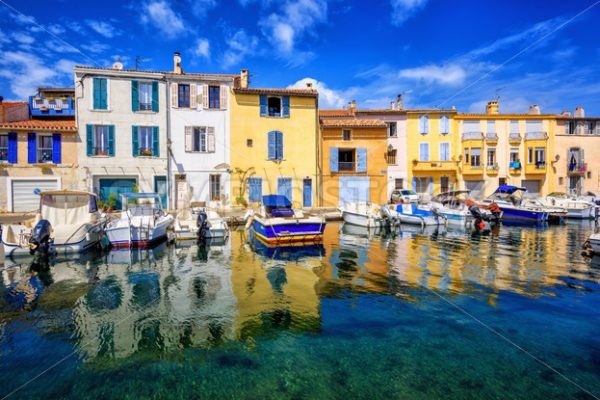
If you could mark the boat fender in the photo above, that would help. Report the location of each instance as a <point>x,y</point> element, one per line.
<point>249,221</point>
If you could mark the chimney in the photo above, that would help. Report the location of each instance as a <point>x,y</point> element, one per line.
<point>392,105</point>
<point>566,113</point>
<point>534,110</point>
<point>244,79</point>
<point>399,104</point>
<point>352,105</point>
<point>177,63</point>
<point>492,107</point>
<point>579,112</point>
<point>309,85</point>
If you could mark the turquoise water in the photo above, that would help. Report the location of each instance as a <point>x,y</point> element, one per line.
<point>419,315</point>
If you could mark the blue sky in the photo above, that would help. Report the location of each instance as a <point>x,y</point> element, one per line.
<point>437,53</point>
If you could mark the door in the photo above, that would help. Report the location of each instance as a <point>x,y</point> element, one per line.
<point>26,193</point>
<point>476,188</point>
<point>307,193</point>
<point>533,187</point>
<point>444,184</point>
<point>575,185</point>
<point>160,187</point>
<point>354,189</point>
<point>113,188</point>
<point>284,187</point>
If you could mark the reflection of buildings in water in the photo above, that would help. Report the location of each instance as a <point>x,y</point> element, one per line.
<point>161,301</point>
<point>273,293</point>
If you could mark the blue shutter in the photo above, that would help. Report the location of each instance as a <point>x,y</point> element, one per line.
<point>414,184</point>
<point>12,148</point>
<point>155,96</point>
<point>286,106</point>
<point>421,124</point>
<point>279,140</point>
<point>111,140</point>
<point>56,148</point>
<point>255,189</point>
<point>155,142</point>
<point>104,94</point>
<point>135,144</point>
<point>89,139</point>
<point>307,193</point>
<point>445,126</point>
<point>135,102</point>
<point>31,148</point>
<point>333,159</point>
<point>263,105</point>
<point>284,187</point>
<point>361,159</point>
<point>97,88</point>
<point>272,145</point>
<point>426,124</point>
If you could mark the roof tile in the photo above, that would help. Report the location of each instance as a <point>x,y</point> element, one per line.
<point>280,91</point>
<point>352,123</point>
<point>45,125</point>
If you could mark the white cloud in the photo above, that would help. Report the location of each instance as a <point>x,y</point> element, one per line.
<point>25,72</point>
<point>24,19</point>
<point>446,75</point>
<point>402,10</point>
<point>23,38</point>
<point>160,14</point>
<point>75,26</point>
<point>65,66</point>
<point>202,48</point>
<point>103,28</point>
<point>56,29</point>
<point>201,7</point>
<point>95,47</point>
<point>328,98</point>
<point>239,46</point>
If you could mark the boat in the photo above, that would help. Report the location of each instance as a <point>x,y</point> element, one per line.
<point>576,208</point>
<point>187,224</point>
<point>369,215</point>
<point>592,246</point>
<point>456,206</point>
<point>510,200</point>
<point>556,215</point>
<point>419,214</point>
<point>142,223</point>
<point>276,223</point>
<point>67,222</point>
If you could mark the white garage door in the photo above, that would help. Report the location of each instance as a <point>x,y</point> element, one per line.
<point>26,193</point>
<point>354,189</point>
<point>532,186</point>
<point>476,188</point>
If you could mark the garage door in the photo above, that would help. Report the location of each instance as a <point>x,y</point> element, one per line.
<point>532,186</point>
<point>26,193</point>
<point>354,189</point>
<point>476,187</point>
<point>117,186</point>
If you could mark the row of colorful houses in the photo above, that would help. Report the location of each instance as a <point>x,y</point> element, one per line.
<point>215,139</point>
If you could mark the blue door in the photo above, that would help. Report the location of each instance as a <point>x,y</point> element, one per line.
<point>284,187</point>
<point>160,187</point>
<point>354,189</point>
<point>114,187</point>
<point>307,193</point>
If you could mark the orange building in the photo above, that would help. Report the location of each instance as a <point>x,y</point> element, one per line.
<point>354,161</point>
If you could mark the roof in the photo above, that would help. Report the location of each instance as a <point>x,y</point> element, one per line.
<point>353,123</point>
<point>503,116</point>
<point>41,125</point>
<point>199,75</point>
<point>13,103</point>
<point>276,200</point>
<point>56,89</point>
<point>336,113</point>
<point>279,91</point>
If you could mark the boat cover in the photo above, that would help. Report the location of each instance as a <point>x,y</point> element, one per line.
<point>509,189</point>
<point>276,200</point>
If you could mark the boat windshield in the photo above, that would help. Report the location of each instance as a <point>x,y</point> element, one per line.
<point>408,193</point>
<point>140,207</point>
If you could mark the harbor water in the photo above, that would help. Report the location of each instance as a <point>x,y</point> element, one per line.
<point>421,314</point>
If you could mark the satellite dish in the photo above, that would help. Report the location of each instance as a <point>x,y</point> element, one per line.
<point>117,65</point>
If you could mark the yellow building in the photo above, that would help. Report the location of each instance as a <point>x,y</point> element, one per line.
<point>354,161</point>
<point>432,145</point>
<point>514,149</point>
<point>274,143</point>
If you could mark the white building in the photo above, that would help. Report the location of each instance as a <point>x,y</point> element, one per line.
<point>199,129</point>
<point>122,128</point>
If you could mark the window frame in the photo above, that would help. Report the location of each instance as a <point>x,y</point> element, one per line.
<point>395,130</point>
<point>180,97</point>
<point>421,152</point>
<point>149,133</point>
<point>95,147</point>
<point>448,158</point>
<point>39,149</point>
<point>280,115</point>
<point>197,133</point>
<point>214,97</point>
<point>211,187</point>
<point>144,106</point>
<point>4,150</point>
<point>476,158</point>
<point>351,164</point>
<point>349,138</point>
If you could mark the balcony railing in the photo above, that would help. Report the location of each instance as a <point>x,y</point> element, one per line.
<point>540,165</point>
<point>492,136</point>
<point>577,168</point>
<point>536,135</point>
<point>472,136</point>
<point>41,106</point>
<point>514,137</point>
<point>492,167</point>
<point>515,165</point>
<point>346,166</point>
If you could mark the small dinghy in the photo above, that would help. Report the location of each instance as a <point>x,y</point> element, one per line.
<point>369,215</point>
<point>416,214</point>
<point>200,223</point>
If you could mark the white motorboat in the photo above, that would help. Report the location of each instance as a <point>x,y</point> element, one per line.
<point>369,215</point>
<point>67,222</point>
<point>593,243</point>
<point>186,224</point>
<point>142,223</point>
<point>417,214</point>
<point>576,208</point>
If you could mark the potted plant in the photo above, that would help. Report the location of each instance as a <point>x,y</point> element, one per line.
<point>146,152</point>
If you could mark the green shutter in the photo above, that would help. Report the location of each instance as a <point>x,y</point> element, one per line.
<point>111,140</point>
<point>135,144</point>
<point>104,94</point>
<point>155,142</point>
<point>96,90</point>
<point>155,96</point>
<point>135,103</point>
<point>89,139</point>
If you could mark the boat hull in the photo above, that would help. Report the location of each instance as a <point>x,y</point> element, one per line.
<point>358,219</point>
<point>412,215</point>
<point>133,236</point>
<point>521,215</point>
<point>287,232</point>
<point>581,213</point>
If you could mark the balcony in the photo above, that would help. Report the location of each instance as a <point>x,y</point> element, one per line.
<point>514,138</point>
<point>433,166</point>
<point>536,136</point>
<point>535,168</point>
<point>492,169</point>
<point>472,136</point>
<point>472,170</point>
<point>51,107</point>
<point>576,169</point>
<point>515,167</point>
<point>491,138</point>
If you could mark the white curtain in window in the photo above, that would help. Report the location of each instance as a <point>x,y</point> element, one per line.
<point>145,90</point>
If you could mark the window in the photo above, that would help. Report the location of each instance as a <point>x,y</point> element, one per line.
<point>100,140</point>
<point>423,124</point>
<point>3,148</point>
<point>444,125</point>
<point>346,159</point>
<point>444,184</point>
<point>44,148</point>
<point>183,95</point>
<point>346,134</point>
<point>145,140</point>
<point>398,183</point>
<point>215,187</point>
<point>590,128</point>
<point>540,157</point>
<point>580,128</point>
<point>274,106</point>
<point>571,128</point>
<point>424,152</point>
<point>214,97</point>
<point>199,140</point>
<point>491,127</point>
<point>444,151</point>
<point>422,185</point>
<point>100,94</point>
<point>514,155</point>
<point>514,128</point>
<point>391,156</point>
<point>145,96</point>
<point>392,129</point>
<point>275,145</point>
<point>530,155</point>
<point>466,155</point>
<point>476,157</point>
<point>501,181</point>
<point>491,158</point>
<point>248,142</point>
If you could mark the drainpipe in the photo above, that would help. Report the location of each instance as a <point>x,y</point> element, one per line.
<point>319,149</point>
<point>168,107</point>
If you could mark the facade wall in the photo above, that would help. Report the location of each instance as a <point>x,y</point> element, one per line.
<point>300,133</point>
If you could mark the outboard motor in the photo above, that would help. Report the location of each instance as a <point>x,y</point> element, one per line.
<point>202,224</point>
<point>496,212</point>
<point>40,237</point>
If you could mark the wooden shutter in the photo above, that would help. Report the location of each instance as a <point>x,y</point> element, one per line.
<point>174,95</point>
<point>96,93</point>
<point>155,97</point>
<point>111,140</point>
<point>286,106</point>
<point>205,96</point>
<point>135,96</point>
<point>361,159</point>
<point>224,96</point>
<point>271,145</point>
<point>31,148</point>
<point>279,141</point>
<point>135,142</point>
<point>193,96</point>
<point>263,105</point>
<point>333,159</point>
<point>189,131</point>
<point>89,139</point>
<point>56,148</point>
<point>210,142</point>
<point>155,142</point>
<point>12,148</point>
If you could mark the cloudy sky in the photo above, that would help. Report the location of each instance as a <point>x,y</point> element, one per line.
<point>437,53</point>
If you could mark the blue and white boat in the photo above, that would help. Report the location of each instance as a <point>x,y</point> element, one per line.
<point>510,200</point>
<point>276,223</point>
<point>416,214</point>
